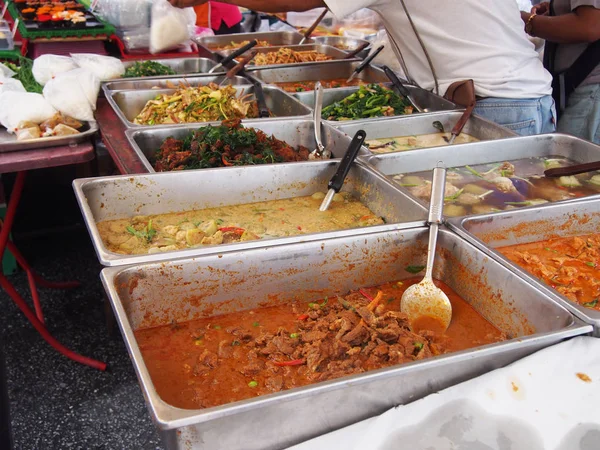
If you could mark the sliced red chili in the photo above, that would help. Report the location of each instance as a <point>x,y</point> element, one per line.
<point>363,292</point>
<point>294,362</point>
<point>235,230</point>
<point>303,317</point>
<point>225,162</point>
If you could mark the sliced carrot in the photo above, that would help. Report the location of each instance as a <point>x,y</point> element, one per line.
<point>371,306</point>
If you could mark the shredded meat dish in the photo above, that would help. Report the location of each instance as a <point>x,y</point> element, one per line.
<point>222,359</point>
<point>569,265</point>
<point>286,55</point>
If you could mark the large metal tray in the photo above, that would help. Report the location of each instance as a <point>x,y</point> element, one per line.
<point>109,198</point>
<point>9,143</point>
<point>426,100</point>
<point>156,294</point>
<point>344,43</point>
<point>182,66</point>
<point>417,124</point>
<point>295,131</point>
<point>521,226</point>
<point>133,84</point>
<point>274,37</point>
<point>337,69</point>
<point>542,145</point>
<point>335,53</point>
<point>128,104</point>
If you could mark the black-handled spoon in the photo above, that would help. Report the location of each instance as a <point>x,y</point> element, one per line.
<point>259,94</point>
<point>365,63</point>
<point>337,181</point>
<point>400,86</point>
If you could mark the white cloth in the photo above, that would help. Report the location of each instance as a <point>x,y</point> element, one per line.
<point>537,403</point>
<point>483,40</point>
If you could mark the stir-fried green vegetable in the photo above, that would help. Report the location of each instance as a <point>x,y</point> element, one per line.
<point>25,75</point>
<point>368,101</point>
<point>148,69</point>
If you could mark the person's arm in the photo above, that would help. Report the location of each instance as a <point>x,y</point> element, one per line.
<point>581,25</point>
<point>269,6</point>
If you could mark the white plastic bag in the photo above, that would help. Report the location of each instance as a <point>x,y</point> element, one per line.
<point>5,72</point>
<point>104,67</point>
<point>170,26</point>
<point>24,107</point>
<point>10,84</point>
<point>46,67</point>
<point>74,93</point>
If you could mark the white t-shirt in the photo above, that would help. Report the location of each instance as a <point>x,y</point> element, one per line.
<point>483,40</point>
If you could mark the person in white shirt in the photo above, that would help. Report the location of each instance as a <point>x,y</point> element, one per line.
<point>441,42</point>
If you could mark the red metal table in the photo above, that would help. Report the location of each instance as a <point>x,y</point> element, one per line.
<point>21,162</point>
<point>112,132</point>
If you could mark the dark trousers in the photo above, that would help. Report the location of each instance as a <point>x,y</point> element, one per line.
<point>224,29</point>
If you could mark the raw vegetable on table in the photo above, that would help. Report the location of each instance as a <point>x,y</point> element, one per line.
<point>24,74</point>
<point>147,69</point>
<point>368,101</point>
<point>229,144</point>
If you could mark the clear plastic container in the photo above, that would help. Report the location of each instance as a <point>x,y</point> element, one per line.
<point>6,39</point>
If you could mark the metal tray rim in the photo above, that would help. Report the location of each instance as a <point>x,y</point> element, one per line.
<point>158,77</point>
<point>111,259</point>
<point>457,225</point>
<point>169,417</point>
<point>130,125</point>
<point>368,160</point>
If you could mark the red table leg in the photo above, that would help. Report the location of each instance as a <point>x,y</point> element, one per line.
<point>37,319</point>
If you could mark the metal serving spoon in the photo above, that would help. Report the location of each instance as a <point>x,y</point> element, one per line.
<point>320,152</point>
<point>426,305</point>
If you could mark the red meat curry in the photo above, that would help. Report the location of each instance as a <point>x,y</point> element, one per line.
<point>223,359</point>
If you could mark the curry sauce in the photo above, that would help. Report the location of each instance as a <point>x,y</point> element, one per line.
<point>570,265</point>
<point>235,223</point>
<point>231,357</point>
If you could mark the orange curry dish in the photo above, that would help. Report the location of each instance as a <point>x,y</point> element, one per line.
<point>570,265</point>
<point>231,357</point>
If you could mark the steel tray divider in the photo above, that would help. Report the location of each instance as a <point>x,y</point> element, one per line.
<point>181,428</point>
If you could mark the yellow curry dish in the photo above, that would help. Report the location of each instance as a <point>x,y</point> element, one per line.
<point>237,223</point>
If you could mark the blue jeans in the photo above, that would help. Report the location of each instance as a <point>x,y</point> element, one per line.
<point>523,116</point>
<point>581,117</point>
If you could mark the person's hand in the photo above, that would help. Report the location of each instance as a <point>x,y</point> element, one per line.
<point>543,9</point>
<point>187,3</point>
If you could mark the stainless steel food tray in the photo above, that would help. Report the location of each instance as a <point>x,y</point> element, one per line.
<point>344,43</point>
<point>336,69</point>
<point>427,100</point>
<point>521,226</point>
<point>9,143</point>
<point>132,84</point>
<point>295,131</point>
<point>542,145</point>
<point>182,66</point>
<point>417,124</point>
<point>155,294</point>
<point>128,104</point>
<point>335,53</point>
<point>107,198</point>
<point>274,38</point>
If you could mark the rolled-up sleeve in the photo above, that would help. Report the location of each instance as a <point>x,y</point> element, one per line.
<point>343,8</point>
<point>577,3</point>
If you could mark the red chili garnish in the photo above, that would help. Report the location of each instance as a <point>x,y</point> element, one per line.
<point>225,162</point>
<point>299,227</point>
<point>363,292</point>
<point>294,362</point>
<point>303,317</point>
<point>235,230</point>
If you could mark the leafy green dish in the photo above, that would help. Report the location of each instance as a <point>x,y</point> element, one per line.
<point>24,74</point>
<point>148,69</point>
<point>368,101</point>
